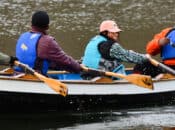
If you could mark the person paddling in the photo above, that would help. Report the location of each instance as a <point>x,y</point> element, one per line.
<point>162,43</point>
<point>104,51</point>
<point>41,51</point>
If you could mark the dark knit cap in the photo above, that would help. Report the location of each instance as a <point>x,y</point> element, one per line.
<point>40,19</point>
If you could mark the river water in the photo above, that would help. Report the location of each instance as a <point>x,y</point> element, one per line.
<point>73,23</point>
<point>150,118</point>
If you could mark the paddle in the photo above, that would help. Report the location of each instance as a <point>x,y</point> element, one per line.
<point>137,79</point>
<point>162,66</point>
<point>52,83</point>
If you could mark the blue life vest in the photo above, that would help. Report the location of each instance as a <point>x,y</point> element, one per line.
<point>92,56</point>
<point>26,50</point>
<point>168,52</point>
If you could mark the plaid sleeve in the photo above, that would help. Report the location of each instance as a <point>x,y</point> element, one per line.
<point>123,55</point>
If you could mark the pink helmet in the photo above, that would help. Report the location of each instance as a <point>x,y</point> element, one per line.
<point>109,25</point>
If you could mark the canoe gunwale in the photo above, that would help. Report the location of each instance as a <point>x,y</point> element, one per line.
<point>79,81</point>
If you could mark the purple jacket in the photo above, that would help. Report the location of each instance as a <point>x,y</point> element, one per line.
<point>50,50</point>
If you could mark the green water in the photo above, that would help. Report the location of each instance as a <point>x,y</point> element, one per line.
<point>73,23</point>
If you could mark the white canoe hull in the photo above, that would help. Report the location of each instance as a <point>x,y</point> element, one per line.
<point>82,95</point>
<point>85,87</point>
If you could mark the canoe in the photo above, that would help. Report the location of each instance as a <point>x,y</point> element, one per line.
<point>18,93</point>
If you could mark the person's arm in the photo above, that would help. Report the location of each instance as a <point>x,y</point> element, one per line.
<point>7,60</point>
<point>111,50</point>
<point>49,49</point>
<point>154,46</point>
<point>4,59</point>
<point>124,55</point>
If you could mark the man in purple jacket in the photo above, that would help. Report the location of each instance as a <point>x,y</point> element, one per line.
<point>40,50</point>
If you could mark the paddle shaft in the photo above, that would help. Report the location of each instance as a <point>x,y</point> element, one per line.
<point>25,67</point>
<point>57,72</point>
<point>162,66</point>
<point>103,73</point>
<point>29,70</point>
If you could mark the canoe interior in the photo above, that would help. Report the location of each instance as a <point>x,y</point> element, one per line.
<point>72,76</point>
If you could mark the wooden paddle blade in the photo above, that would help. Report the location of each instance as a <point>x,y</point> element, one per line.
<point>137,79</point>
<point>140,80</point>
<point>56,85</point>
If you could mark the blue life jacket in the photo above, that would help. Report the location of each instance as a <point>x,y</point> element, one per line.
<point>168,51</point>
<point>92,55</point>
<point>26,50</point>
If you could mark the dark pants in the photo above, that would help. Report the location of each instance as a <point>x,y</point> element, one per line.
<point>147,69</point>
